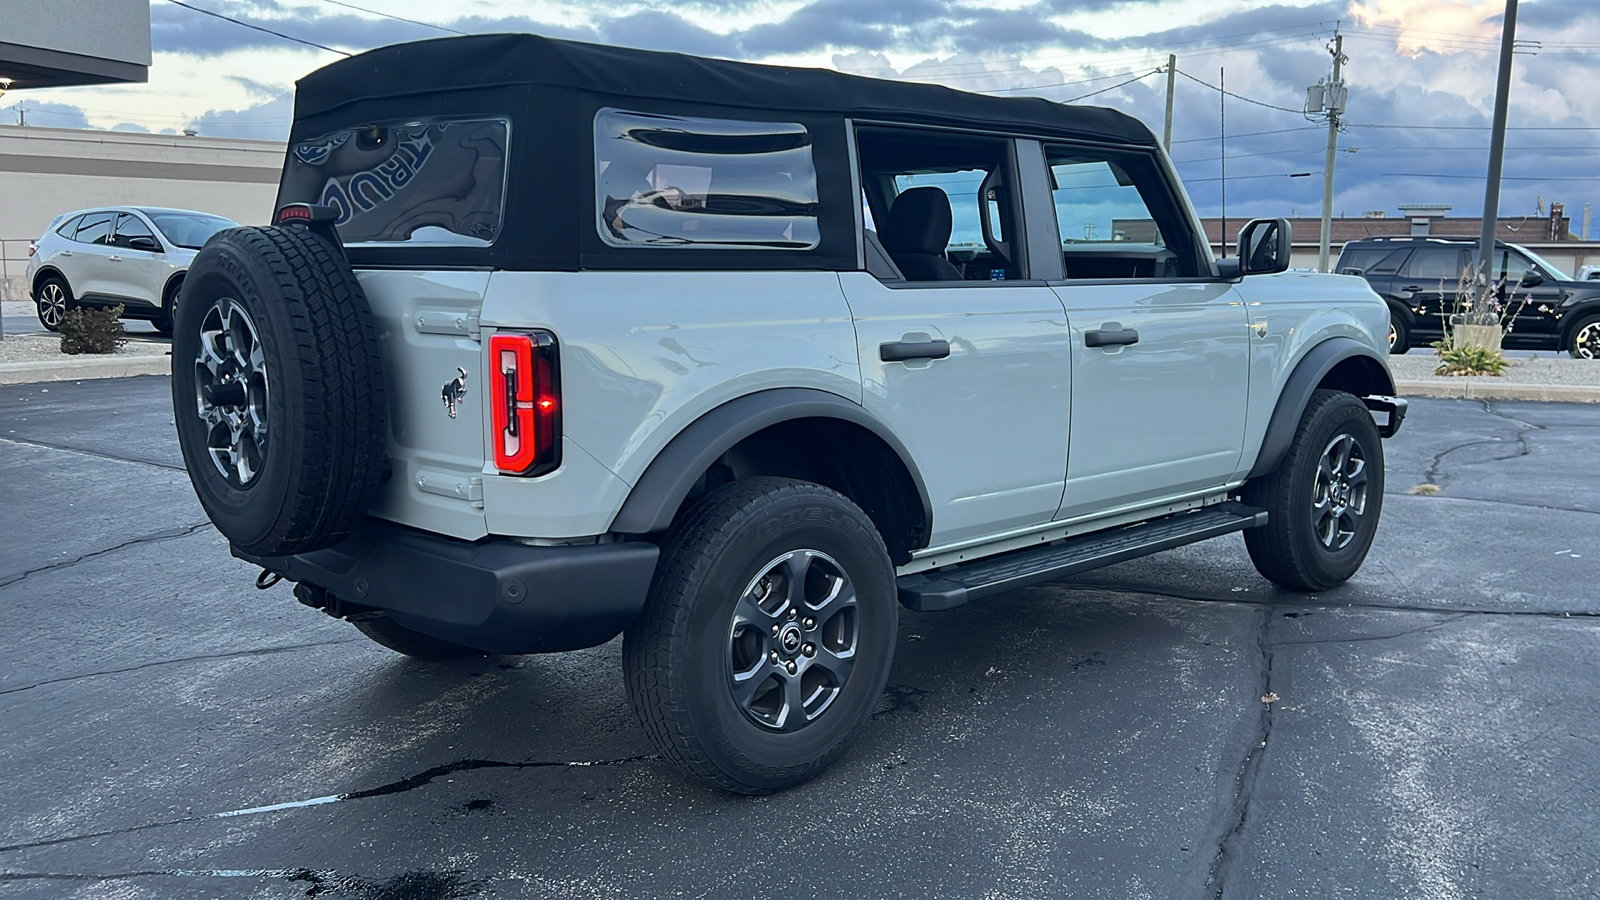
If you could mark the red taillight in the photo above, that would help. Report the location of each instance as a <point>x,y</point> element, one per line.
<point>32,249</point>
<point>525,402</point>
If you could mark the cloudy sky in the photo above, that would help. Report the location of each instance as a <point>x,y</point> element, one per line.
<point>1421,76</point>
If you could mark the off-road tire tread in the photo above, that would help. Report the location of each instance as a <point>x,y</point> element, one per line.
<point>391,634</point>
<point>658,695</point>
<point>343,410</point>
<point>1273,550</point>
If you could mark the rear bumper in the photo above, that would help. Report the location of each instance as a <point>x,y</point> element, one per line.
<point>495,595</point>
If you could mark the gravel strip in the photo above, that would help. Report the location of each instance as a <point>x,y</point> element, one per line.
<point>47,347</point>
<point>1563,370</point>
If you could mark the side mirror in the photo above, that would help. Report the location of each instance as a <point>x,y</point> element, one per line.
<point>1531,279</point>
<point>141,242</point>
<point>1264,246</point>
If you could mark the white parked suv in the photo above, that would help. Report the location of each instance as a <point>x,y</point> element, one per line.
<point>567,341</point>
<point>135,256</point>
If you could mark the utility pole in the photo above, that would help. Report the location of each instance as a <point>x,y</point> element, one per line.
<point>1497,148</point>
<point>1333,97</point>
<point>1172,84</point>
<point>1222,116</point>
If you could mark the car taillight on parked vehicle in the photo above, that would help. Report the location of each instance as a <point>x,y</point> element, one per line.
<point>525,402</point>
<point>32,249</point>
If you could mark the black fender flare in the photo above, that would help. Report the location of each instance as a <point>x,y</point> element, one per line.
<point>655,498</point>
<point>43,273</point>
<point>1297,390</point>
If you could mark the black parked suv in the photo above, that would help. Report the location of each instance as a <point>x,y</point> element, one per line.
<point>1418,278</point>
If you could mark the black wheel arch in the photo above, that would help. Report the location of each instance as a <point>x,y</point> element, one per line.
<point>1338,363</point>
<point>43,273</point>
<point>1576,316</point>
<point>793,432</point>
<point>173,284</point>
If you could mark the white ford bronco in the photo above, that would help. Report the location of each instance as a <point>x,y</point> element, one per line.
<point>552,342</point>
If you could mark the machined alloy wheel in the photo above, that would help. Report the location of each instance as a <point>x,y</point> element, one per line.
<point>1339,495</point>
<point>52,304</point>
<point>231,392</point>
<point>1586,339</point>
<point>768,635</point>
<point>793,640</point>
<point>1324,499</point>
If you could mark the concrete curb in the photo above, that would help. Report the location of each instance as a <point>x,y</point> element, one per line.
<point>83,369</point>
<point>1494,389</point>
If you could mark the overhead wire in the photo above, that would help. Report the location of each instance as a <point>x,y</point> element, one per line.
<point>393,16</point>
<point>240,22</point>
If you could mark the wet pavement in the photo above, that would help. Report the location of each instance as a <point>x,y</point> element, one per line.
<point>1169,727</point>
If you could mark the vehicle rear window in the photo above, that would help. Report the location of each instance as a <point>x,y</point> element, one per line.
<point>436,182</point>
<point>666,181</point>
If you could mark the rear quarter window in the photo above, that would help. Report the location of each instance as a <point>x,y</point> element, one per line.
<point>433,182</point>
<point>669,181</point>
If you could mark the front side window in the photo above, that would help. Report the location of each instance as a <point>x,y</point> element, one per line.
<point>432,182</point>
<point>129,227</point>
<point>1115,217</point>
<point>669,181</point>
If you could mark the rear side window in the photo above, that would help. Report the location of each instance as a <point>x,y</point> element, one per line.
<point>668,181</point>
<point>427,182</point>
<point>95,229</point>
<point>1442,264</point>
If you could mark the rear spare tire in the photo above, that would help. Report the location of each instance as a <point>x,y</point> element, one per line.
<point>278,390</point>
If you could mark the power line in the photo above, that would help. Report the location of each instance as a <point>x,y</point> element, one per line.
<point>392,16</point>
<point>1113,87</point>
<point>286,37</point>
<point>1502,178</point>
<point>1473,127</point>
<point>1252,134</point>
<point>1298,112</point>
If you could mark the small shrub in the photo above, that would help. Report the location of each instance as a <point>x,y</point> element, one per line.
<point>1468,359</point>
<point>85,330</point>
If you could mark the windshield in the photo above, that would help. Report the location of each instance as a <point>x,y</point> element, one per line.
<point>428,182</point>
<point>190,230</point>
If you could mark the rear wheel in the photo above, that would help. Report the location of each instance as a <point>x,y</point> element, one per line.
<point>414,644</point>
<point>768,635</point>
<point>53,301</point>
<point>1323,501</point>
<point>169,308</point>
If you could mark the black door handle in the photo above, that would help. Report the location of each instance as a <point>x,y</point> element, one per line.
<point>1104,338</point>
<point>900,351</point>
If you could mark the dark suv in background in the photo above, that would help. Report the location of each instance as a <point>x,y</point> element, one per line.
<point>1418,277</point>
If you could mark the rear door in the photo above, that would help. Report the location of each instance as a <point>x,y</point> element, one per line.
<point>969,366</point>
<point>90,272</point>
<point>1160,351</point>
<point>1430,283</point>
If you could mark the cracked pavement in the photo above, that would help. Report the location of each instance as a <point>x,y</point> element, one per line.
<point>1169,727</point>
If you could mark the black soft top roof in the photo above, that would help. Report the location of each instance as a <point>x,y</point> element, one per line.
<point>494,60</point>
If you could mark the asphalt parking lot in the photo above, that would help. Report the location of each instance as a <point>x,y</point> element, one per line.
<point>1170,727</point>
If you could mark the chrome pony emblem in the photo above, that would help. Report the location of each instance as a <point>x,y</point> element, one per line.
<point>455,390</point>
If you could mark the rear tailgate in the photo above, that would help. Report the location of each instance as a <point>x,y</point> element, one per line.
<point>428,329</point>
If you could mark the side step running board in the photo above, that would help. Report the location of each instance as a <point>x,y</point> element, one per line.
<point>954,585</point>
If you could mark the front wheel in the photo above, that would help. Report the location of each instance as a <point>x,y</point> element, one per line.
<point>1585,340</point>
<point>1399,336</point>
<point>1324,499</point>
<point>768,635</point>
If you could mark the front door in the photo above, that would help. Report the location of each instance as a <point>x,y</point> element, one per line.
<point>1160,349</point>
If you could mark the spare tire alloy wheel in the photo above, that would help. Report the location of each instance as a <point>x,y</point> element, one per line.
<point>278,390</point>
<point>768,635</point>
<point>232,390</point>
<point>54,298</point>
<point>1586,339</point>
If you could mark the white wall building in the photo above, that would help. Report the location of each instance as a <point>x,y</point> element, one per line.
<point>45,172</point>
